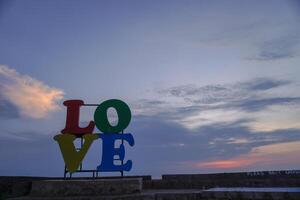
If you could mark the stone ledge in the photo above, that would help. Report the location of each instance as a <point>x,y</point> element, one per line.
<point>65,188</point>
<point>183,195</point>
<point>145,195</point>
<point>251,195</point>
<point>117,197</point>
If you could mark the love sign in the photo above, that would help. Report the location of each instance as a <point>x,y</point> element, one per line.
<point>110,134</point>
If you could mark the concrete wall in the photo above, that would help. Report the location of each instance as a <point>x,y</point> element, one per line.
<point>289,178</point>
<point>19,186</point>
<point>14,186</point>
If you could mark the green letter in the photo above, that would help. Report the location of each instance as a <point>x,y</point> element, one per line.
<point>124,116</point>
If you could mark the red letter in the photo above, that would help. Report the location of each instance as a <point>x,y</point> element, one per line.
<point>72,121</point>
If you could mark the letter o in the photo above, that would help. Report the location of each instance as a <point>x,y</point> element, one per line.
<point>101,120</point>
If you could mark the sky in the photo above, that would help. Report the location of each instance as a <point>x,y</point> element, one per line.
<point>213,86</point>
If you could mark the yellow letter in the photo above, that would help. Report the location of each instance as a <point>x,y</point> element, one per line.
<point>72,157</point>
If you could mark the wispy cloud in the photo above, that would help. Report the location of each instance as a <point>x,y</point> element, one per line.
<point>32,97</point>
<point>278,48</point>
<point>218,94</point>
<point>214,147</point>
<point>257,104</point>
<point>225,164</point>
<point>282,154</point>
<point>263,84</point>
<point>276,117</point>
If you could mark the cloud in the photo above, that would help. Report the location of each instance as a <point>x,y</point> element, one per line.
<point>210,116</point>
<point>174,148</point>
<point>211,94</point>
<point>281,154</point>
<point>208,94</point>
<point>263,84</point>
<point>224,164</point>
<point>252,105</point>
<point>260,104</point>
<point>32,97</point>
<point>276,117</point>
<point>278,48</point>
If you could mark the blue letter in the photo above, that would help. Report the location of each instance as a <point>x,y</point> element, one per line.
<point>109,151</point>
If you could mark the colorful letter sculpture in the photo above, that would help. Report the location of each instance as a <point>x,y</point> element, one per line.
<point>72,121</point>
<point>72,157</point>
<point>110,134</point>
<point>109,151</point>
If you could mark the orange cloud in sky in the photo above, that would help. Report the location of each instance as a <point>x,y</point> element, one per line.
<point>283,154</point>
<point>33,98</point>
<point>225,164</point>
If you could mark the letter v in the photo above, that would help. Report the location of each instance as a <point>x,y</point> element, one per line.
<point>71,156</point>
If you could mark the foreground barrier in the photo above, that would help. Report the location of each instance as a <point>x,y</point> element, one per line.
<point>184,186</point>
